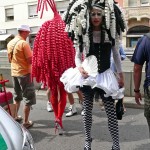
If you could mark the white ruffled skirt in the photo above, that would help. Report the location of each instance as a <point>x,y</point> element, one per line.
<point>72,80</point>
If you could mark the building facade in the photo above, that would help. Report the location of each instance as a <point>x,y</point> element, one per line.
<point>17,12</point>
<point>137,15</point>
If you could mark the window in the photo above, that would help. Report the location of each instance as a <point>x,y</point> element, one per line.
<point>9,12</point>
<point>32,11</point>
<point>132,3</point>
<point>145,2</point>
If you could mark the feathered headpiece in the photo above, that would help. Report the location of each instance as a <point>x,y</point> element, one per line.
<point>99,5</point>
<point>77,21</point>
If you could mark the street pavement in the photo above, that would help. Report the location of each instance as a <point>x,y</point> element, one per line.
<point>133,128</point>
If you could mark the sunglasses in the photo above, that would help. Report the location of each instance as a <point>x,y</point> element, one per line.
<point>98,14</point>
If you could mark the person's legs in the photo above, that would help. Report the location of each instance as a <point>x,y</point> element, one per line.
<point>87,117</point>
<point>70,98</point>
<point>61,103</point>
<point>54,99</point>
<point>28,91</point>
<point>49,107</point>
<point>112,121</point>
<point>80,96</point>
<point>26,113</point>
<point>72,107</point>
<point>17,104</point>
<point>48,93</point>
<point>17,94</point>
<point>26,122</point>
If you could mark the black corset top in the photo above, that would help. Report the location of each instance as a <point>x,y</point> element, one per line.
<point>103,54</point>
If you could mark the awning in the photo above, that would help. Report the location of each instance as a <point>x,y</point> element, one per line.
<point>3,37</point>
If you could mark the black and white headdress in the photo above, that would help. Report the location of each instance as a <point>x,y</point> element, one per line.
<point>77,21</point>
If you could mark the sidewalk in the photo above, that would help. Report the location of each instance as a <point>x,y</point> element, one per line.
<point>128,101</point>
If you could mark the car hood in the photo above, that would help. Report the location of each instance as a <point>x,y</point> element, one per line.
<point>11,131</point>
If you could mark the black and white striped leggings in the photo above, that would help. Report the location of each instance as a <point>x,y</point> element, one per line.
<point>88,95</point>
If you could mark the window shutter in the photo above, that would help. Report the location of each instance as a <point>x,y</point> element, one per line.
<point>9,12</point>
<point>32,10</point>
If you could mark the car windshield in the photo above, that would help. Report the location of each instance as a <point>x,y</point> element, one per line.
<point>3,145</point>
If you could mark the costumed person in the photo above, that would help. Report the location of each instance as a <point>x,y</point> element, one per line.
<point>53,53</point>
<point>95,30</point>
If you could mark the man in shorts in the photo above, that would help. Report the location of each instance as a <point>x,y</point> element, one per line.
<point>20,57</point>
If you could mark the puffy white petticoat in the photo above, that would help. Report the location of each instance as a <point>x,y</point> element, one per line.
<point>72,80</point>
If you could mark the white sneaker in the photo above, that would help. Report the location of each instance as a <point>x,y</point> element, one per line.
<point>82,112</point>
<point>72,111</point>
<point>49,107</point>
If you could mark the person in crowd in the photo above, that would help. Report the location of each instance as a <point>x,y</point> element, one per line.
<point>96,21</point>
<point>95,45</point>
<point>20,57</point>
<point>122,57</point>
<point>53,53</point>
<point>140,56</point>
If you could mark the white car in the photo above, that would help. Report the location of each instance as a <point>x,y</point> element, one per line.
<point>13,136</point>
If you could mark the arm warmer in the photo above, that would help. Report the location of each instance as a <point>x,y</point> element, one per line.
<point>117,59</point>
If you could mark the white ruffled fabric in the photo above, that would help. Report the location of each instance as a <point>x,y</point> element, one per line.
<point>72,80</point>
